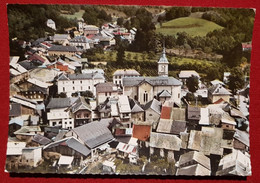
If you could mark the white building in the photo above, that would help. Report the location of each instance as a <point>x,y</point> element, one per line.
<point>163,65</point>
<point>120,74</point>
<point>79,83</point>
<point>81,43</point>
<point>50,23</point>
<point>58,114</point>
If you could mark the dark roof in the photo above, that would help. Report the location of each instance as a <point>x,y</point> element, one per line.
<point>172,127</point>
<point>80,104</point>
<point>154,105</point>
<point>135,107</point>
<point>81,76</point>
<point>154,81</point>
<point>60,135</point>
<point>15,110</point>
<point>242,137</point>
<point>105,87</point>
<point>163,58</point>
<point>57,103</point>
<point>73,144</point>
<point>199,157</point>
<point>77,146</point>
<point>193,113</point>
<point>41,139</point>
<point>35,88</point>
<point>28,65</point>
<point>63,48</point>
<point>218,90</point>
<point>93,134</point>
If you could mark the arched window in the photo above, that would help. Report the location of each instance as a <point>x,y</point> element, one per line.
<point>145,96</point>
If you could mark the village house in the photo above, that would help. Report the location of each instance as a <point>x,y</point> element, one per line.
<point>31,156</point>
<point>34,89</point>
<point>120,74</point>
<point>185,74</point>
<point>50,23</point>
<point>90,30</point>
<point>94,135</point>
<point>105,90</point>
<point>194,163</point>
<point>209,141</point>
<point>152,111</point>
<point>69,146</point>
<point>73,83</point>
<point>129,150</point>
<point>81,43</point>
<point>142,131</point>
<point>57,50</point>
<point>217,92</point>
<point>166,144</point>
<point>58,115</point>
<point>26,133</point>
<point>241,140</point>
<point>14,125</point>
<point>137,112</point>
<point>81,111</point>
<point>235,163</point>
<point>62,39</point>
<point>14,153</point>
<point>124,110</point>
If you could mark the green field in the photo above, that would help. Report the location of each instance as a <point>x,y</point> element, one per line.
<point>75,15</point>
<point>192,26</point>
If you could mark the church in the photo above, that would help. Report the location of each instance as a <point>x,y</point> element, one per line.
<point>162,87</point>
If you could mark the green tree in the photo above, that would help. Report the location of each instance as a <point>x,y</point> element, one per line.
<point>120,21</point>
<point>192,83</point>
<point>236,79</point>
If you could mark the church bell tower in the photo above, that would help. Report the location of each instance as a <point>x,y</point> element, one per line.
<point>163,65</point>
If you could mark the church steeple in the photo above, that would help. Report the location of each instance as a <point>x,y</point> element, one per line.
<point>163,64</point>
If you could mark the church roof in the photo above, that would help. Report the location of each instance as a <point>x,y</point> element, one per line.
<point>154,81</point>
<point>163,58</point>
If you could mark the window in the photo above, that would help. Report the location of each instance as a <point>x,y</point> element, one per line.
<point>72,82</point>
<point>178,95</point>
<point>109,93</point>
<point>63,89</point>
<point>73,88</point>
<point>54,123</point>
<point>145,96</point>
<point>80,82</point>
<point>89,87</point>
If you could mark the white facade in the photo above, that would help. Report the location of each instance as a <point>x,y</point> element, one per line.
<point>70,86</point>
<point>120,74</point>
<point>51,24</point>
<point>32,155</point>
<point>60,117</point>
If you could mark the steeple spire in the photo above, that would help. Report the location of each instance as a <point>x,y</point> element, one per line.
<point>163,63</point>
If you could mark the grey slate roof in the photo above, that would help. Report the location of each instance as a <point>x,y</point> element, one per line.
<point>41,139</point>
<point>163,58</point>
<point>135,107</point>
<point>154,105</point>
<point>196,169</point>
<point>105,87</point>
<point>57,103</point>
<point>81,76</point>
<point>218,90</point>
<point>170,126</point>
<point>73,144</point>
<point>63,48</point>
<point>80,39</point>
<point>199,157</point>
<point>126,72</point>
<point>80,104</point>
<point>165,141</point>
<point>164,93</point>
<point>93,134</point>
<point>193,113</point>
<point>242,137</point>
<point>154,81</point>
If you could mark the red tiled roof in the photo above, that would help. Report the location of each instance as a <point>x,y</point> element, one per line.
<point>219,101</point>
<point>141,132</point>
<point>166,112</point>
<point>246,45</point>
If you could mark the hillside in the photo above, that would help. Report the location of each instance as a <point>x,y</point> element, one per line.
<point>192,26</point>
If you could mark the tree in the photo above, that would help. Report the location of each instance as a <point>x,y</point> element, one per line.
<point>192,83</point>
<point>120,21</point>
<point>87,93</point>
<point>236,79</point>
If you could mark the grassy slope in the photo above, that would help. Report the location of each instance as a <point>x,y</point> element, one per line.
<point>192,26</point>
<point>75,15</point>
